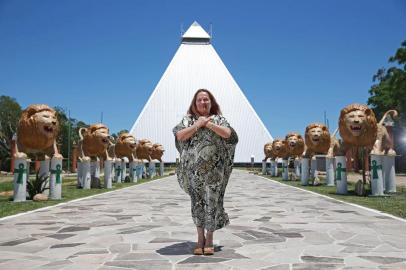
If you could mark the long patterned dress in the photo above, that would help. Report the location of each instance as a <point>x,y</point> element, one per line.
<point>206,161</point>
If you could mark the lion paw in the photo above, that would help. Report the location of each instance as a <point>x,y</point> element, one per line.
<point>58,156</point>
<point>20,155</point>
<point>391,152</point>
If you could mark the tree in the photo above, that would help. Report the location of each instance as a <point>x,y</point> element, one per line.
<point>390,91</point>
<point>10,112</point>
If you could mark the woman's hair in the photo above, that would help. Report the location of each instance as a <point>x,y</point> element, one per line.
<point>214,109</point>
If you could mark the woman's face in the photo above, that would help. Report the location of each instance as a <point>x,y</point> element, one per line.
<point>203,103</point>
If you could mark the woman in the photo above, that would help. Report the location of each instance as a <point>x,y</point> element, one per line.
<point>206,144</point>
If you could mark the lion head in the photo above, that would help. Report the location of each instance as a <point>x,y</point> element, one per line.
<point>317,138</point>
<point>37,128</point>
<point>295,144</point>
<point>358,125</point>
<point>144,149</point>
<point>125,146</point>
<point>96,139</point>
<point>268,150</point>
<point>157,151</point>
<point>279,148</point>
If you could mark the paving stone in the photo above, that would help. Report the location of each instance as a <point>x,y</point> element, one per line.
<point>316,266</point>
<point>141,265</point>
<point>313,259</point>
<point>73,229</point>
<point>18,242</point>
<point>203,259</point>
<point>383,260</point>
<point>66,245</point>
<point>61,236</point>
<point>120,248</point>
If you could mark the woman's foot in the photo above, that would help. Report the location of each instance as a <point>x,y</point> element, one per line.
<point>208,245</point>
<point>208,250</point>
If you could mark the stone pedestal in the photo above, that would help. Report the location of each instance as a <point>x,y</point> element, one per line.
<point>151,169</point>
<point>95,173</point>
<point>264,167</point>
<point>313,169</point>
<point>341,174</point>
<point>79,175</point>
<point>330,171</point>
<point>304,176</point>
<point>20,179</point>
<point>273,168</point>
<point>43,172</point>
<point>389,173</point>
<point>376,175</point>
<point>139,169</point>
<point>161,169</point>
<point>117,170</point>
<point>297,167</point>
<point>85,174</point>
<point>55,182</point>
<point>123,170</point>
<point>285,170</point>
<point>133,171</point>
<point>108,173</point>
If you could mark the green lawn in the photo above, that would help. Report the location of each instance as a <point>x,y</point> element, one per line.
<point>69,192</point>
<point>394,204</point>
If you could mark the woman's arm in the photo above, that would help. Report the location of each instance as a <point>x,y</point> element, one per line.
<point>186,133</point>
<point>223,132</point>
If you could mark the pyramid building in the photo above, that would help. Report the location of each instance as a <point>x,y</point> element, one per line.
<point>197,65</point>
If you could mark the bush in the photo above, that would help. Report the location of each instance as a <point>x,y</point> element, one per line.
<point>37,185</point>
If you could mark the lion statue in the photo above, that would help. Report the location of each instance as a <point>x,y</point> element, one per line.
<point>157,151</point>
<point>295,144</point>
<point>125,146</point>
<point>37,132</point>
<point>144,149</point>
<point>279,148</point>
<point>268,151</point>
<point>317,139</point>
<point>358,127</point>
<point>94,142</point>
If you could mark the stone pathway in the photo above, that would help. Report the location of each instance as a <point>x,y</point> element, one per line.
<point>273,226</point>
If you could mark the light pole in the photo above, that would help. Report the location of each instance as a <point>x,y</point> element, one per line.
<point>69,132</point>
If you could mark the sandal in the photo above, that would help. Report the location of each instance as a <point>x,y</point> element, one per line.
<point>198,250</point>
<point>208,250</point>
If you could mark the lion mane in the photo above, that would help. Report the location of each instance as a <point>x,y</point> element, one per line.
<point>96,140</point>
<point>144,149</point>
<point>157,151</point>
<point>324,143</point>
<point>36,134</point>
<point>295,144</point>
<point>268,151</point>
<point>125,146</point>
<point>280,148</point>
<point>369,127</point>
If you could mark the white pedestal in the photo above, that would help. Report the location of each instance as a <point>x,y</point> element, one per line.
<point>55,182</point>
<point>297,167</point>
<point>304,177</point>
<point>285,170</point>
<point>124,170</point>
<point>264,167</point>
<point>389,173</point>
<point>95,174</point>
<point>85,175</point>
<point>133,171</point>
<point>273,168</point>
<point>139,169</point>
<point>20,179</point>
<point>341,174</point>
<point>330,171</point>
<point>151,169</point>
<point>313,169</point>
<point>376,175</point>
<point>108,173</point>
<point>117,170</point>
<point>161,169</point>
<point>79,175</point>
<point>44,171</point>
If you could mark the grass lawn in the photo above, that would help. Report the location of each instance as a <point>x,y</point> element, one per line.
<point>69,192</point>
<point>394,204</point>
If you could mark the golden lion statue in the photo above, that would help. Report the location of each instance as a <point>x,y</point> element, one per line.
<point>295,144</point>
<point>317,139</point>
<point>94,142</point>
<point>37,132</point>
<point>279,148</point>
<point>157,151</point>
<point>358,127</point>
<point>268,151</point>
<point>144,149</point>
<point>125,146</point>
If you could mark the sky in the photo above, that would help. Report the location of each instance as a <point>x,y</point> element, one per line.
<point>295,61</point>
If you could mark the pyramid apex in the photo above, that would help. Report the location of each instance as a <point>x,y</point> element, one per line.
<point>196,33</point>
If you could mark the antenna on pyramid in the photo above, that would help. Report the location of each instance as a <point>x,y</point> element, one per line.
<point>181,30</point>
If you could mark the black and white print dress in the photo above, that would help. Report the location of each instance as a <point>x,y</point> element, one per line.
<point>206,161</point>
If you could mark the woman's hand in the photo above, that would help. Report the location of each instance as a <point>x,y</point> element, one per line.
<point>202,121</point>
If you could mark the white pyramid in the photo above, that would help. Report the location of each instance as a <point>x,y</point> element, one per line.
<point>197,65</point>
